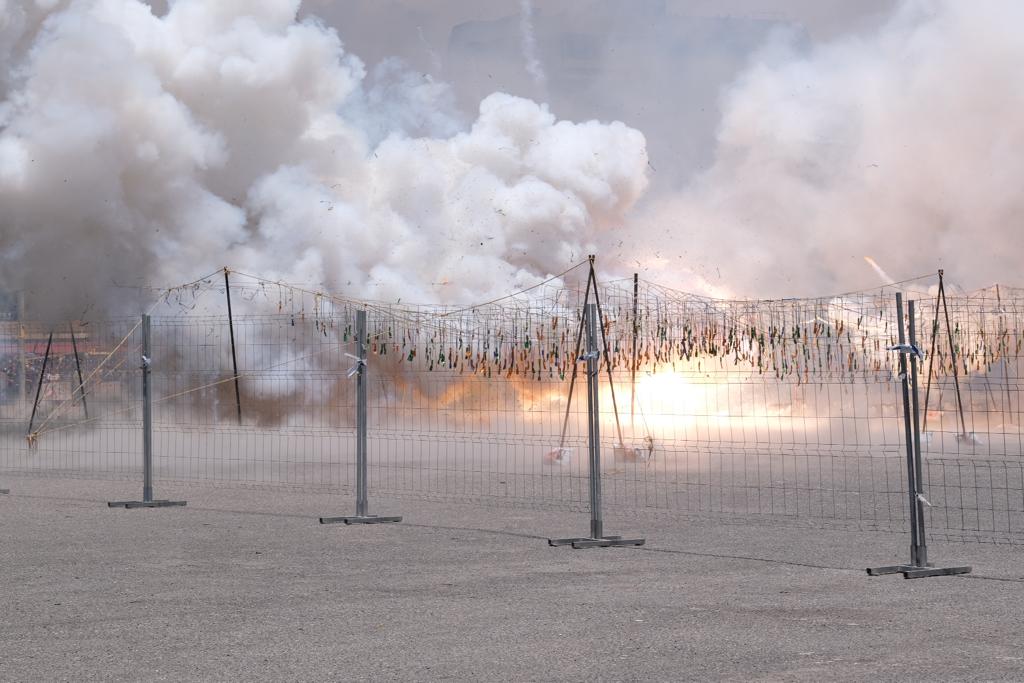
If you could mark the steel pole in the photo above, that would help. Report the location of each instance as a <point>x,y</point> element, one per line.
<point>909,432</point>
<point>22,372</point>
<point>362,515</point>
<point>921,552</point>
<point>234,356</point>
<point>597,539</point>
<point>147,432</point>
<point>147,413</point>
<point>78,368</point>
<point>39,386</point>
<point>361,493</point>
<point>632,365</point>
<point>594,431</point>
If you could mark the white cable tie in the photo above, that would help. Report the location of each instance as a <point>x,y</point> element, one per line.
<point>146,362</point>
<point>354,370</point>
<point>906,348</point>
<point>590,355</point>
<point>920,497</point>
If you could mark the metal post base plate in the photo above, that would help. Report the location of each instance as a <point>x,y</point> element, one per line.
<point>603,542</point>
<point>910,571</point>
<point>892,569</point>
<point>925,572</point>
<point>133,504</point>
<point>5,491</point>
<point>360,519</point>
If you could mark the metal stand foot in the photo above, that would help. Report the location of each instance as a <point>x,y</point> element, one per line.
<point>133,504</point>
<point>892,569</point>
<point>911,571</point>
<point>5,491</point>
<point>555,542</point>
<point>360,519</point>
<point>925,572</point>
<point>602,542</point>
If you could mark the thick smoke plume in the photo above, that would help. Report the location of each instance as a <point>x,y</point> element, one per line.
<point>141,146</point>
<point>137,148</point>
<point>901,144</point>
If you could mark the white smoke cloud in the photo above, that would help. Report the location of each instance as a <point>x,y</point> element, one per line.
<point>137,148</point>
<point>901,144</point>
<point>140,148</point>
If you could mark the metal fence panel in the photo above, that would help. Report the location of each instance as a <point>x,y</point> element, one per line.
<point>787,411</point>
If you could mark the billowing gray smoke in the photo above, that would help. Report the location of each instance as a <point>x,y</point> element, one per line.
<point>902,143</point>
<point>140,147</point>
<point>137,148</point>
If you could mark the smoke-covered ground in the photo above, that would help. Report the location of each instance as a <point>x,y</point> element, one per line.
<point>147,145</point>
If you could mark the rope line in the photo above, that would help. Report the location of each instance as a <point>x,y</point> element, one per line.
<point>249,373</point>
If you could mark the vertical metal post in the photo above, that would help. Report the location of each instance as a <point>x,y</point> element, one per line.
<point>147,432</point>
<point>1006,369</point>
<point>362,515</point>
<point>361,495</point>
<point>918,568</point>
<point>78,368</point>
<point>931,352</point>
<point>39,386</point>
<point>636,333</point>
<point>908,425</point>
<point>597,538</point>
<point>575,361</point>
<point>952,358</point>
<point>607,354</point>
<point>147,413</point>
<point>920,553</point>
<point>234,358</point>
<point>22,373</point>
<point>594,432</point>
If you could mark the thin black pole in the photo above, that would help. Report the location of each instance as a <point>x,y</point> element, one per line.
<point>78,368</point>
<point>636,334</point>
<point>956,373</point>
<point>234,358</point>
<point>607,354</point>
<point>39,387</point>
<point>1006,369</point>
<point>921,552</point>
<point>931,352</point>
<point>575,359</point>
<point>22,371</point>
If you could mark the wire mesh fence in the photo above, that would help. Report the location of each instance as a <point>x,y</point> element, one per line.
<point>972,437</point>
<point>786,411</point>
<point>94,434</point>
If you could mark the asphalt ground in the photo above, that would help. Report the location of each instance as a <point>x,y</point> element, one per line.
<point>244,584</point>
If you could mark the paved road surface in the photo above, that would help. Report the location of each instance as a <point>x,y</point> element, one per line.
<point>245,585</point>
